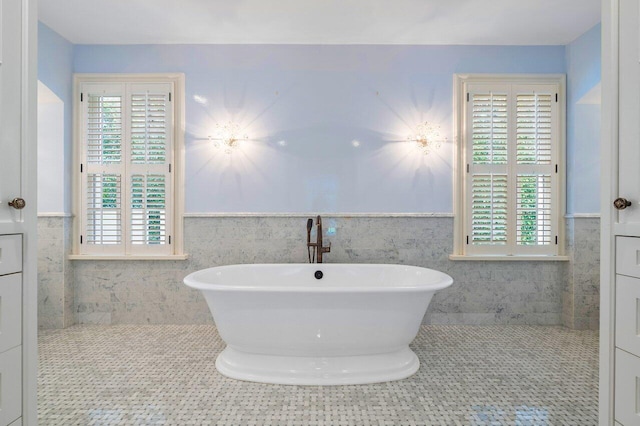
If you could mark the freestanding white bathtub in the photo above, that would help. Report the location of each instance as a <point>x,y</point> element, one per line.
<point>318,324</point>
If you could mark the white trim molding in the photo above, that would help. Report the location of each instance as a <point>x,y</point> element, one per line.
<point>54,214</point>
<point>501,258</point>
<point>131,257</point>
<point>29,75</point>
<point>608,191</point>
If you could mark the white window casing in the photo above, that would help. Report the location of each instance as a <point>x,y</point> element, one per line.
<point>128,198</point>
<point>509,178</point>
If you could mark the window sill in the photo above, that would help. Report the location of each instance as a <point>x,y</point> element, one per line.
<point>511,258</point>
<point>120,257</point>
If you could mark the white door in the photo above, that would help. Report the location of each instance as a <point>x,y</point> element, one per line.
<point>628,219</point>
<point>620,250</point>
<point>18,281</point>
<point>10,129</point>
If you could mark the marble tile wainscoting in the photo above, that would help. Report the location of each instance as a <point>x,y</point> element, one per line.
<point>151,292</point>
<point>581,291</point>
<point>55,272</point>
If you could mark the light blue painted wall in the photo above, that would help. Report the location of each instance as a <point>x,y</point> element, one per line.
<point>55,70</point>
<point>583,123</point>
<point>318,100</point>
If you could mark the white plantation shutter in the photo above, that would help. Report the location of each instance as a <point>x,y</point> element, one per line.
<point>511,153</point>
<point>150,121</point>
<point>536,113</point>
<point>104,126</point>
<point>489,207</point>
<point>104,209</point>
<point>534,127</point>
<point>489,118</point>
<point>534,224</point>
<point>102,168</point>
<point>149,183</point>
<point>127,183</point>
<point>488,185</point>
<point>148,209</point>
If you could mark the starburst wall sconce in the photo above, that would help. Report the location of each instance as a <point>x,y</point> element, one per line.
<point>227,136</point>
<point>427,137</point>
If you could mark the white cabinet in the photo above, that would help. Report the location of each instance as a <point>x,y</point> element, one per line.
<point>627,332</point>
<point>10,311</point>
<point>628,256</point>
<point>10,385</point>
<point>10,329</point>
<point>620,215</point>
<point>627,388</point>
<point>627,303</point>
<point>10,254</point>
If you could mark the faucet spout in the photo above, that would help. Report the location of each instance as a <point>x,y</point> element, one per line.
<point>318,247</point>
<point>309,227</point>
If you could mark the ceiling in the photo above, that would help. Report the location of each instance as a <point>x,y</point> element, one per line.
<point>476,22</point>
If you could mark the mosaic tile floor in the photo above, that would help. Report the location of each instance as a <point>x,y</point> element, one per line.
<point>165,375</point>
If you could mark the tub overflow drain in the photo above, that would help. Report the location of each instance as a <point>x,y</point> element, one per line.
<point>318,274</point>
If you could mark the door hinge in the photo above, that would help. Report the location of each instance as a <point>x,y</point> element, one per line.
<point>80,239</point>
<point>169,96</point>
<point>556,168</point>
<point>556,240</point>
<point>556,97</point>
<point>467,96</point>
<point>467,167</point>
<point>467,239</point>
<point>81,97</point>
<point>169,239</point>
<point>81,168</point>
<point>169,168</point>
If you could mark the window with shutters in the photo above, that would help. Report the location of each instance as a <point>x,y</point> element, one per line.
<point>509,198</point>
<point>128,149</point>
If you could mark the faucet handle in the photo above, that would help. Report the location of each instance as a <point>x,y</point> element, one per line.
<point>309,226</point>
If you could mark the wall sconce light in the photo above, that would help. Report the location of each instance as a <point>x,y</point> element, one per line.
<point>227,136</point>
<point>427,137</point>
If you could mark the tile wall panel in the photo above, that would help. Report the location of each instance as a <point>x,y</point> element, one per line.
<point>151,292</point>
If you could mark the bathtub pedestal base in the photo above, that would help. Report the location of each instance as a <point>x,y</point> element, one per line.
<point>299,370</point>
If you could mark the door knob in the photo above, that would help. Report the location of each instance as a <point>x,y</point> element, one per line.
<point>621,203</point>
<point>18,203</point>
